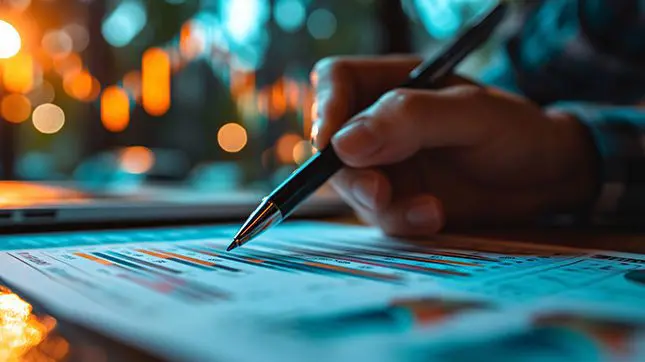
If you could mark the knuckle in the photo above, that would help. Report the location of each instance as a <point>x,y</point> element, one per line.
<point>401,101</point>
<point>328,67</point>
<point>468,92</point>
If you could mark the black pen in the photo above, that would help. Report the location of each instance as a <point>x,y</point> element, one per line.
<point>320,167</point>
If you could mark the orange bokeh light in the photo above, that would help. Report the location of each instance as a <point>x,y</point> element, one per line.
<point>115,109</point>
<point>18,73</point>
<point>137,159</point>
<point>68,65</point>
<point>79,85</point>
<point>285,147</point>
<point>302,151</point>
<point>278,103</point>
<point>232,137</point>
<point>22,333</point>
<point>155,81</point>
<point>15,108</point>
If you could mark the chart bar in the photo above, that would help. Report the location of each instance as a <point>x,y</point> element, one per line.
<point>430,251</point>
<point>143,262</point>
<point>389,254</point>
<point>381,263</point>
<point>94,259</point>
<point>182,259</point>
<point>244,260</point>
<point>114,260</point>
<point>294,260</point>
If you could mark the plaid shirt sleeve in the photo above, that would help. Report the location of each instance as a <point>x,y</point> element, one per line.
<point>587,58</point>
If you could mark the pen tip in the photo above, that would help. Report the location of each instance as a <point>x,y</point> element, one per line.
<point>233,245</point>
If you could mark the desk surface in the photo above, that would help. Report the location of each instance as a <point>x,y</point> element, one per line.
<point>618,239</point>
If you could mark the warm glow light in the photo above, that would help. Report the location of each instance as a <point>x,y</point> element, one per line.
<point>285,146</point>
<point>78,85</point>
<point>45,93</point>
<point>191,40</point>
<point>155,81</point>
<point>18,73</point>
<point>302,151</point>
<point>137,159</point>
<point>48,118</point>
<point>57,43</point>
<point>232,137</point>
<point>10,40</point>
<point>19,5</point>
<point>115,109</point>
<point>20,330</point>
<point>278,103</point>
<point>68,65</point>
<point>15,108</point>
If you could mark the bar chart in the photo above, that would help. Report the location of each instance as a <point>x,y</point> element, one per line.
<point>196,270</point>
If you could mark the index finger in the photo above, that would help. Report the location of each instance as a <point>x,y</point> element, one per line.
<point>345,86</point>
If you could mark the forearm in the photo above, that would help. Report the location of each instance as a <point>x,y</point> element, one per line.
<point>618,134</point>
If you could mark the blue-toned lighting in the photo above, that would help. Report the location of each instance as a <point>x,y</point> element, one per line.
<point>321,24</point>
<point>243,20</point>
<point>443,18</point>
<point>124,23</point>
<point>289,14</point>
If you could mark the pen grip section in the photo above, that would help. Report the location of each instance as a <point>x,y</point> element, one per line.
<point>306,180</point>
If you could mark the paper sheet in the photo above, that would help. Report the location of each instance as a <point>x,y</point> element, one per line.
<point>313,291</point>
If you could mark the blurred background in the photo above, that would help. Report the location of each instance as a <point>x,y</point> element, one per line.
<point>212,93</point>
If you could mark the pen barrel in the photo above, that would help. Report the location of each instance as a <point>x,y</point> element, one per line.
<point>306,180</point>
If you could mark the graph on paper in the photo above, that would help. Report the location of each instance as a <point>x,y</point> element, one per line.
<point>201,271</point>
<point>327,285</point>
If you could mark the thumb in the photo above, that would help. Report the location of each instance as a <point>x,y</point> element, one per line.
<point>404,121</point>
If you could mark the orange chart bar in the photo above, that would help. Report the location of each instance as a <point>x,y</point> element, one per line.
<point>93,258</point>
<point>155,81</point>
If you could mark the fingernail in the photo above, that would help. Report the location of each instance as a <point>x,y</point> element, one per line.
<point>356,140</point>
<point>422,214</point>
<point>364,190</point>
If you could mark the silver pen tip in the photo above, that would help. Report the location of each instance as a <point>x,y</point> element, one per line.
<point>233,245</point>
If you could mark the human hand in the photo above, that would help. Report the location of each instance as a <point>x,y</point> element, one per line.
<point>465,155</point>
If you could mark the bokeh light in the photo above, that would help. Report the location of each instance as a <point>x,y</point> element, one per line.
<point>57,43</point>
<point>45,93</point>
<point>243,19</point>
<point>18,5</point>
<point>18,73</point>
<point>124,23</point>
<point>115,109</point>
<point>285,147</point>
<point>321,24</point>
<point>232,137</point>
<point>10,40</point>
<point>21,331</point>
<point>302,151</point>
<point>15,108</point>
<point>48,118</point>
<point>155,81</point>
<point>137,159</point>
<point>80,36</point>
<point>289,14</point>
<point>79,85</point>
<point>68,65</point>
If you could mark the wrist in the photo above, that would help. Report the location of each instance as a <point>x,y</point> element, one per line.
<point>577,188</point>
